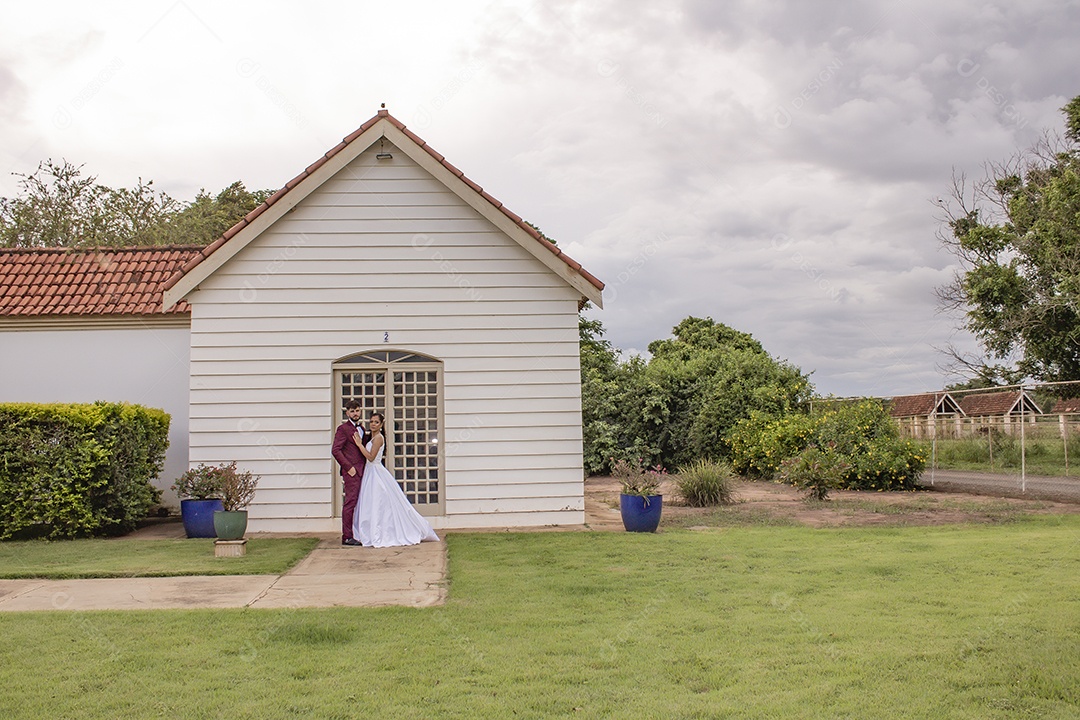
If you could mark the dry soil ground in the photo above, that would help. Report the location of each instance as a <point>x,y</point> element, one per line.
<point>767,503</point>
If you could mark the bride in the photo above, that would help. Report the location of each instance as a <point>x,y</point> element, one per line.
<point>384,517</point>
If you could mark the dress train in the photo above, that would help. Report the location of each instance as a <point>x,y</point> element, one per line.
<point>384,517</point>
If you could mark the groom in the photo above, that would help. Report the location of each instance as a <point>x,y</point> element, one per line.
<point>352,464</point>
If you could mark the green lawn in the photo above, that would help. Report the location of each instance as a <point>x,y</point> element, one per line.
<point>146,558</point>
<point>972,621</point>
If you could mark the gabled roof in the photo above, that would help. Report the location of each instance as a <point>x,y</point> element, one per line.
<point>924,404</point>
<point>1071,405</point>
<point>1005,402</point>
<point>47,282</point>
<point>382,125</point>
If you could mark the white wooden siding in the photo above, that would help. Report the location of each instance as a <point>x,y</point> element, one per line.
<point>385,248</point>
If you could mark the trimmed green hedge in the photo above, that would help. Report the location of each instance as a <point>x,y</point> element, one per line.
<point>77,470</point>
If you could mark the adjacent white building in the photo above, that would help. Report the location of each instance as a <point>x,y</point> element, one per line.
<point>81,326</point>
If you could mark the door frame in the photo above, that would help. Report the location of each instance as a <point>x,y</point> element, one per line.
<point>389,361</point>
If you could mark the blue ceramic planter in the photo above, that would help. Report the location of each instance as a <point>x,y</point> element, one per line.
<point>198,517</point>
<point>640,514</point>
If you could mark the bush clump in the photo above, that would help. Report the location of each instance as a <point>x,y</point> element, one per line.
<point>704,483</point>
<point>815,471</point>
<point>71,470</point>
<point>861,434</point>
<point>761,442</point>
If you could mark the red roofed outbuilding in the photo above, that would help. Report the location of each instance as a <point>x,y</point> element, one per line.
<point>924,414</point>
<point>1000,404</point>
<point>1070,406</point>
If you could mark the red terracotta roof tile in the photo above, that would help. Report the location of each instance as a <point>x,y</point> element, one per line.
<point>433,153</point>
<point>365,127</point>
<point>275,197</point>
<point>589,276</point>
<point>205,252</point>
<point>1071,405</point>
<point>923,404</point>
<point>452,169</point>
<point>995,403</point>
<point>473,185</point>
<point>190,264</point>
<point>231,232</point>
<point>255,213</point>
<point>41,282</point>
<point>413,136</point>
<point>317,164</point>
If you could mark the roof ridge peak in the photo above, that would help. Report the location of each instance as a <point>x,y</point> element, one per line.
<point>382,115</point>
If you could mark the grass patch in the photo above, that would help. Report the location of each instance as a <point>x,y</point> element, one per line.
<point>739,515</point>
<point>999,510</point>
<point>66,559</point>
<point>1000,453</point>
<point>750,622</point>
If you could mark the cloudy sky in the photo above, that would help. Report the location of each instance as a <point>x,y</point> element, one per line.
<point>772,165</point>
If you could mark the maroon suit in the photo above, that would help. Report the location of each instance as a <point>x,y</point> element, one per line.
<point>349,456</point>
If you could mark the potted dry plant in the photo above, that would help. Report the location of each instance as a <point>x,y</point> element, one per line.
<point>199,493</point>
<point>640,502</point>
<point>237,490</point>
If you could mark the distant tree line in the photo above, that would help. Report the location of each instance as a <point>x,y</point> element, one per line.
<point>713,393</point>
<point>59,206</point>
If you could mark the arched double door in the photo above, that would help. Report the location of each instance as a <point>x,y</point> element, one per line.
<point>407,388</point>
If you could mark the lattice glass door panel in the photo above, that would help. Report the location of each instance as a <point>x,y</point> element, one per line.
<point>416,434</point>
<point>367,388</point>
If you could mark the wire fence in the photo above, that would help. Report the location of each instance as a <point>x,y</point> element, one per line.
<point>1004,438</point>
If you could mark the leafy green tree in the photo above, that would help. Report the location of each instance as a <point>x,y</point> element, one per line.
<point>700,383</point>
<point>599,391</point>
<point>207,217</point>
<point>59,206</point>
<point>610,412</point>
<point>680,405</point>
<point>1017,236</point>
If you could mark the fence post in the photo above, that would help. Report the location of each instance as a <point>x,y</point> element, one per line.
<point>1023,448</point>
<point>933,441</point>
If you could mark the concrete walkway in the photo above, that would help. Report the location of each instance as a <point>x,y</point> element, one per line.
<point>331,576</point>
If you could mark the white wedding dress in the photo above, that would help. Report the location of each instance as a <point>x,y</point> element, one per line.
<point>384,517</point>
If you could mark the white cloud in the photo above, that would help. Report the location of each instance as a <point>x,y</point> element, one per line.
<point>769,164</point>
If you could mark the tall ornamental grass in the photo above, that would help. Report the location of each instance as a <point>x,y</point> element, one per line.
<point>705,483</point>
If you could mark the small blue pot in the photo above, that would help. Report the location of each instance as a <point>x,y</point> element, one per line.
<point>640,514</point>
<point>198,517</point>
